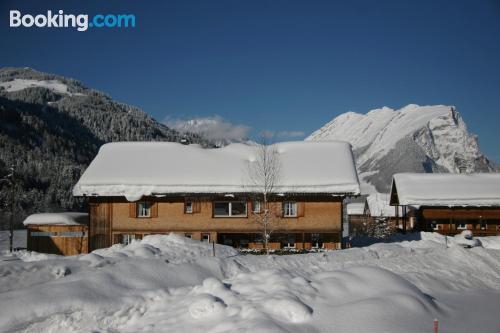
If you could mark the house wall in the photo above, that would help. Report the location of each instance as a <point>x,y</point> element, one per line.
<point>482,221</point>
<point>316,215</point>
<point>56,239</point>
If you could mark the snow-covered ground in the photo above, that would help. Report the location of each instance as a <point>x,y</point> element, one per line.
<point>173,284</point>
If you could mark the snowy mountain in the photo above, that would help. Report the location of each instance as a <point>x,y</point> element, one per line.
<point>51,128</point>
<point>412,139</point>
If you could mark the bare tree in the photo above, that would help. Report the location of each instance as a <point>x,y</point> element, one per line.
<point>264,175</point>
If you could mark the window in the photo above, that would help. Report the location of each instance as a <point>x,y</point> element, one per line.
<point>42,234</point>
<point>143,209</point>
<point>317,241</point>
<point>205,238</point>
<point>483,225</point>
<point>256,206</point>
<point>289,209</point>
<point>127,239</point>
<point>461,226</point>
<point>188,207</point>
<point>188,236</point>
<point>230,209</point>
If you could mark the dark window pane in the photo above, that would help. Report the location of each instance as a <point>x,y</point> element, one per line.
<point>221,209</point>
<point>238,208</point>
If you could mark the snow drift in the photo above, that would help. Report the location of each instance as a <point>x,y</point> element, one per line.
<point>171,283</point>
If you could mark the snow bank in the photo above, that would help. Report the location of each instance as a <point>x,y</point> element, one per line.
<point>174,284</point>
<point>67,218</point>
<point>135,169</point>
<point>172,247</point>
<point>431,189</point>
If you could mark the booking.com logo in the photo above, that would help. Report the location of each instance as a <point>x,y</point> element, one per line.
<point>61,20</point>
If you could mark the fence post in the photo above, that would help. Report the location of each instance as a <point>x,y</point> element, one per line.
<point>213,248</point>
<point>435,326</point>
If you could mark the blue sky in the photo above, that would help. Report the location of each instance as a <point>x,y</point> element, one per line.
<point>277,65</point>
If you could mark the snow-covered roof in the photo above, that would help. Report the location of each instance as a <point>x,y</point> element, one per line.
<point>356,208</point>
<point>136,169</point>
<point>67,218</point>
<point>437,189</point>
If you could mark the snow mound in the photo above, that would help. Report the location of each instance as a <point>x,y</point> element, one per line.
<point>206,305</point>
<point>466,239</point>
<point>288,309</point>
<point>171,247</point>
<point>67,218</point>
<point>167,283</point>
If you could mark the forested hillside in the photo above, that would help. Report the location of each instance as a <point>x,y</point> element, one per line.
<point>50,129</point>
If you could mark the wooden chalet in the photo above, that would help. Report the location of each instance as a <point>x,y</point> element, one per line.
<point>58,233</point>
<point>450,203</point>
<point>140,188</point>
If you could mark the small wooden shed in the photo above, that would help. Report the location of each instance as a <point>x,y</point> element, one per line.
<point>450,203</point>
<point>58,233</point>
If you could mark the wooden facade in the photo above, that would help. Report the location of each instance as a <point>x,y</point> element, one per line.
<point>58,239</point>
<point>482,221</point>
<point>317,222</point>
<point>448,203</point>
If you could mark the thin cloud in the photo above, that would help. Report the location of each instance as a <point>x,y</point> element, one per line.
<point>214,128</point>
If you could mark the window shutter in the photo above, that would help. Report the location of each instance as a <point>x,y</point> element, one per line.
<point>132,209</point>
<point>196,206</point>
<point>300,209</point>
<point>117,239</point>
<point>250,206</point>
<point>154,209</point>
<point>280,210</point>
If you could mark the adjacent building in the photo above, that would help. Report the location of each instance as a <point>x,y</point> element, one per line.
<point>450,203</point>
<point>358,215</point>
<point>140,188</point>
<point>58,233</point>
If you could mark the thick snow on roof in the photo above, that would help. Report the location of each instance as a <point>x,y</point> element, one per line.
<point>356,208</point>
<point>67,218</point>
<point>135,169</point>
<point>431,189</point>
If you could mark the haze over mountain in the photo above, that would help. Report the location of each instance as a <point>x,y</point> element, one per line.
<point>51,128</point>
<point>412,139</point>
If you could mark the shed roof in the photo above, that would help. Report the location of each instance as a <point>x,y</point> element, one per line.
<point>136,169</point>
<point>433,189</point>
<point>66,218</point>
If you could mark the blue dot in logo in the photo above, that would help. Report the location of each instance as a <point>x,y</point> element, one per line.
<point>91,25</point>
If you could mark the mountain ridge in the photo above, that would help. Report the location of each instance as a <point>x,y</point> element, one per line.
<point>432,138</point>
<point>51,127</point>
